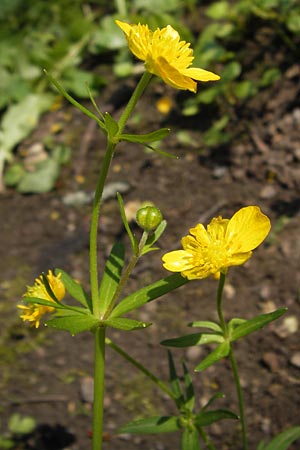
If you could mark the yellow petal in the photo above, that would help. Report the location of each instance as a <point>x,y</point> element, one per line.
<point>125,27</point>
<point>247,229</point>
<point>200,74</point>
<point>170,75</point>
<point>177,261</point>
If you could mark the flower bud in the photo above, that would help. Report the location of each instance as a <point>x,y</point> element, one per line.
<point>149,217</point>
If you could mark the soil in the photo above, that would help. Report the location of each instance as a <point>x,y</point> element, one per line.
<point>47,374</point>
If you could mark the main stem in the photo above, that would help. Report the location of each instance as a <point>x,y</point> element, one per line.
<point>94,228</point>
<point>99,354</point>
<point>240,398</point>
<point>233,363</point>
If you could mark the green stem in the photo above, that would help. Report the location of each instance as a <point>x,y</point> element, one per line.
<point>233,362</point>
<point>219,303</point>
<point>99,365</point>
<point>143,369</point>
<point>206,439</point>
<point>240,398</point>
<point>141,86</point>
<point>94,227</point>
<point>127,272</point>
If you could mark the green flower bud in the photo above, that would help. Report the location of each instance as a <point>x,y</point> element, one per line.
<point>149,217</point>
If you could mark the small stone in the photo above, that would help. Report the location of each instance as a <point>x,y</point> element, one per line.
<point>268,192</point>
<point>271,361</point>
<point>289,325</point>
<point>229,291</point>
<point>193,353</point>
<point>295,360</point>
<point>87,389</point>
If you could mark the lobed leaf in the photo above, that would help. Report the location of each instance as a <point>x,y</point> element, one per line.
<point>254,324</point>
<point>148,293</point>
<point>284,439</point>
<point>152,425</point>
<point>190,440</point>
<point>220,352</point>
<point>174,382</point>
<point>208,417</point>
<point>206,324</point>
<point>111,276</point>
<point>145,138</point>
<point>74,289</point>
<point>121,323</point>
<point>193,339</point>
<point>74,323</point>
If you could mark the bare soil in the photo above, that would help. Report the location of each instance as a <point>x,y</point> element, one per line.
<point>47,374</point>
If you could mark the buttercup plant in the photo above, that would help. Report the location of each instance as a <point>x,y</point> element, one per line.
<point>205,252</point>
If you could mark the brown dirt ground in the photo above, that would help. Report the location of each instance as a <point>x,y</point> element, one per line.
<point>46,373</point>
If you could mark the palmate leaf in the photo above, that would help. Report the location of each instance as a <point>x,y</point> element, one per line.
<point>148,293</point>
<point>111,276</point>
<point>152,425</point>
<point>190,440</point>
<point>249,326</point>
<point>74,289</point>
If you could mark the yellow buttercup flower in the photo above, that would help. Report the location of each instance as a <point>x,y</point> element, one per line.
<point>33,311</point>
<point>225,243</point>
<point>165,55</point>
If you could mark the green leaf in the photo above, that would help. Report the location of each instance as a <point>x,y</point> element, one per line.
<point>190,340</point>
<point>145,138</point>
<point>208,417</point>
<point>72,100</point>
<point>74,323</point>
<point>152,425</point>
<point>42,301</point>
<point>122,323</point>
<point>284,439</point>
<point>174,382</point>
<point>134,242</point>
<point>161,152</point>
<point>245,89</point>
<point>20,119</point>
<point>254,324</point>
<point>189,388</point>
<point>206,324</point>
<point>13,175</point>
<point>110,126</point>
<point>220,352</point>
<point>42,179</point>
<point>111,276</point>
<point>218,10</point>
<point>21,425</point>
<point>190,440</point>
<point>74,289</point>
<point>212,399</point>
<point>154,238</point>
<point>148,293</point>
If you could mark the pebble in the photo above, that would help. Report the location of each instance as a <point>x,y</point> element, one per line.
<point>295,360</point>
<point>289,325</point>
<point>193,353</point>
<point>270,359</point>
<point>269,191</point>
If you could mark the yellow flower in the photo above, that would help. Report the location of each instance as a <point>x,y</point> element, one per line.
<point>33,311</point>
<point>225,243</point>
<point>165,55</point>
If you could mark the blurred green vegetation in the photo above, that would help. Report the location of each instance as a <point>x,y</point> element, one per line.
<point>71,39</point>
